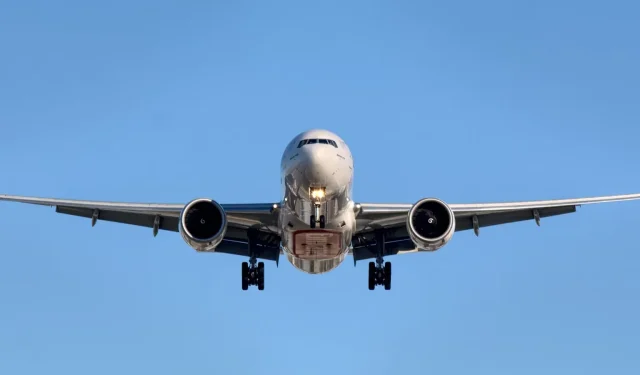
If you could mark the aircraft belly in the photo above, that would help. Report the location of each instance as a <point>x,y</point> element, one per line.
<point>317,244</point>
<point>316,251</point>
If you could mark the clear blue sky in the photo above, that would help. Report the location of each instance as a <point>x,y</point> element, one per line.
<point>165,101</point>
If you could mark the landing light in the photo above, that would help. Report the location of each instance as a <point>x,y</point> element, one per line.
<point>317,193</point>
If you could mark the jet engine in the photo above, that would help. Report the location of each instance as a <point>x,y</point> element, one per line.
<point>430,224</point>
<point>203,224</point>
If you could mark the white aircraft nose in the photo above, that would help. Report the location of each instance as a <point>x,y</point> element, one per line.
<point>313,154</point>
<point>318,174</point>
<point>319,165</point>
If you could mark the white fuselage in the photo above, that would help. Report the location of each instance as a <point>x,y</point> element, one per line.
<point>317,216</point>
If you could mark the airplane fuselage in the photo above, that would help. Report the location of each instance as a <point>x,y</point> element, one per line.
<point>317,218</point>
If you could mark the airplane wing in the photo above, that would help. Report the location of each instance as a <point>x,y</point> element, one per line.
<point>392,219</point>
<point>241,218</point>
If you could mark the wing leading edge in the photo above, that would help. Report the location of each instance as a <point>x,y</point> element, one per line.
<point>392,219</point>
<point>258,218</point>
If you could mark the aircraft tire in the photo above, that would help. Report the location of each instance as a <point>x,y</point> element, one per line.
<point>260,276</point>
<point>245,275</point>
<point>372,276</point>
<point>387,276</point>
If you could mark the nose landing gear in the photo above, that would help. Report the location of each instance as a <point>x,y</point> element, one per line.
<point>314,218</point>
<point>314,222</point>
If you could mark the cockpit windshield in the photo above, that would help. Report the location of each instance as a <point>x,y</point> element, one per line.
<point>316,140</point>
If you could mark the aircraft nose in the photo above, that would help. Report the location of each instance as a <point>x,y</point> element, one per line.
<point>313,154</point>
<point>319,169</point>
<point>318,173</point>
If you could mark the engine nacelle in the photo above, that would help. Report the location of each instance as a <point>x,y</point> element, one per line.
<point>203,224</point>
<point>430,224</point>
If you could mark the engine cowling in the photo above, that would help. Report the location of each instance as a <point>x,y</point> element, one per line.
<point>430,224</point>
<point>203,224</point>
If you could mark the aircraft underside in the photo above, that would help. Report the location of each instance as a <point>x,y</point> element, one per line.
<point>316,250</point>
<point>315,241</point>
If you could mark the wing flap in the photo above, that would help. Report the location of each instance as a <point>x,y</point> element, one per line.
<point>242,249</point>
<point>530,205</point>
<point>465,222</point>
<point>142,219</point>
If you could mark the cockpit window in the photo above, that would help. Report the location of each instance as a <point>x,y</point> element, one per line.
<point>314,141</point>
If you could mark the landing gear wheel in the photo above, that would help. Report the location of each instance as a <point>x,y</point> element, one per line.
<point>245,275</point>
<point>372,276</point>
<point>260,276</point>
<point>252,274</point>
<point>387,276</point>
<point>379,275</point>
<point>312,222</point>
<point>379,271</point>
<point>322,221</point>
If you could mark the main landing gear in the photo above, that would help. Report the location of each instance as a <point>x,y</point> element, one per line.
<point>379,271</point>
<point>252,271</point>
<point>252,274</point>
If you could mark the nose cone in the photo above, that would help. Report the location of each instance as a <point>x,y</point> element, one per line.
<point>318,174</point>
<point>320,166</point>
<point>317,164</point>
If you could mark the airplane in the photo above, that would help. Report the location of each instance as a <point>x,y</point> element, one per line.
<point>316,223</point>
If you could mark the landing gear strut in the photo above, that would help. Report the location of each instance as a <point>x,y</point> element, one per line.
<point>252,271</point>
<point>317,218</point>
<point>379,271</point>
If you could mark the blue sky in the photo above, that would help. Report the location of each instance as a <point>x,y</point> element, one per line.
<point>166,101</point>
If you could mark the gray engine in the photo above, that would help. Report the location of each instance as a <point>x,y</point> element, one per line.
<point>430,224</point>
<point>203,224</point>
